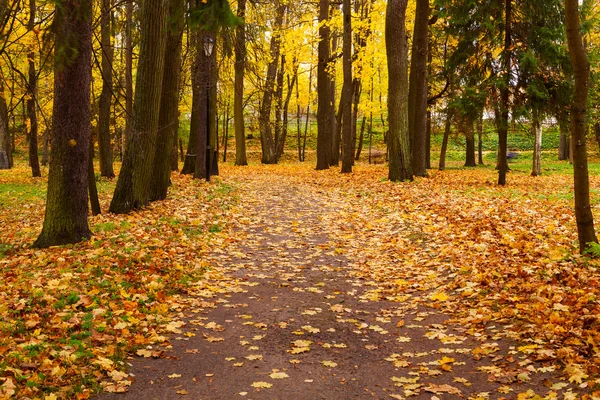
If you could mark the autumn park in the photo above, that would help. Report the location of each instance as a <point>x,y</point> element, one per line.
<point>336,199</point>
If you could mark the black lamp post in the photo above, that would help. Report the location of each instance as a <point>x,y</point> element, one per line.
<point>208,44</point>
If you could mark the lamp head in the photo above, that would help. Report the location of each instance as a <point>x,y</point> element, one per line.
<point>209,44</point>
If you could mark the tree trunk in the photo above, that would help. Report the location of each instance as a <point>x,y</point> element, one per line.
<point>324,123</point>
<point>267,141</point>
<point>92,188</point>
<point>337,135</point>
<point>32,101</point>
<point>168,119</point>
<point>238,101</point>
<point>581,71</point>
<point>133,186</point>
<point>335,138</point>
<point>361,138</point>
<point>400,164</point>
<point>279,104</point>
<point>128,74</point>
<point>356,92</point>
<point>189,164</point>
<point>226,134</point>
<point>537,147</point>
<point>286,104</point>
<point>480,139</point>
<point>66,217</point>
<point>202,149</point>
<point>563,126</point>
<point>505,96</point>
<point>447,127</point>
<point>347,147</point>
<point>5,147</point>
<point>298,116</point>
<point>470,139</point>
<point>417,98</point>
<point>104,143</point>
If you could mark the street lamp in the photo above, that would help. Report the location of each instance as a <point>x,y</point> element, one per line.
<point>208,44</point>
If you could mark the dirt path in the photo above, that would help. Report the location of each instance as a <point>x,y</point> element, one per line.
<point>289,318</point>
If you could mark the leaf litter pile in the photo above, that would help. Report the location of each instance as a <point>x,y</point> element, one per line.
<point>446,287</point>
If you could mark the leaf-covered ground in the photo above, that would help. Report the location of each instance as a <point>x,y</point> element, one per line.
<point>282,281</point>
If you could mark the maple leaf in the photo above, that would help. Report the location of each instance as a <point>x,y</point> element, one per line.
<point>329,364</point>
<point>278,375</point>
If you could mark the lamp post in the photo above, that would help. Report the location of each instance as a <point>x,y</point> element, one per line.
<point>208,44</point>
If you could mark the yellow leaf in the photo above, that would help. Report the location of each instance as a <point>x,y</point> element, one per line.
<point>279,375</point>
<point>329,364</point>
<point>261,385</point>
<point>440,296</point>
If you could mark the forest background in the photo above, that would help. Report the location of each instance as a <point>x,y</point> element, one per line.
<point>184,85</point>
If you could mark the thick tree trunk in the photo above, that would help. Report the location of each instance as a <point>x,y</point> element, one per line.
<point>470,139</point>
<point>133,186</point>
<point>267,141</point>
<point>324,123</point>
<point>400,163</point>
<point>505,96</point>
<point>168,120</point>
<point>447,127</point>
<point>536,127</point>
<point>5,147</point>
<point>417,98</point>
<point>238,101</point>
<point>347,145</point>
<point>32,101</point>
<point>581,71</point>
<point>66,218</point>
<point>104,142</point>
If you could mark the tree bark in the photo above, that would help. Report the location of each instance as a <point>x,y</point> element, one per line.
<point>132,190</point>
<point>505,96</point>
<point>202,165</point>
<point>417,98</point>
<point>324,123</point>
<point>32,100</point>
<point>267,141</point>
<point>581,70</point>
<point>480,139</point>
<point>536,126</point>
<point>347,147</point>
<point>66,217</point>
<point>104,142</point>
<point>447,127</point>
<point>400,163</point>
<point>168,119</point>
<point>189,164</point>
<point>5,147</point>
<point>284,126</point>
<point>92,188</point>
<point>470,139</point>
<point>563,147</point>
<point>128,74</point>
<point>238,101</point>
